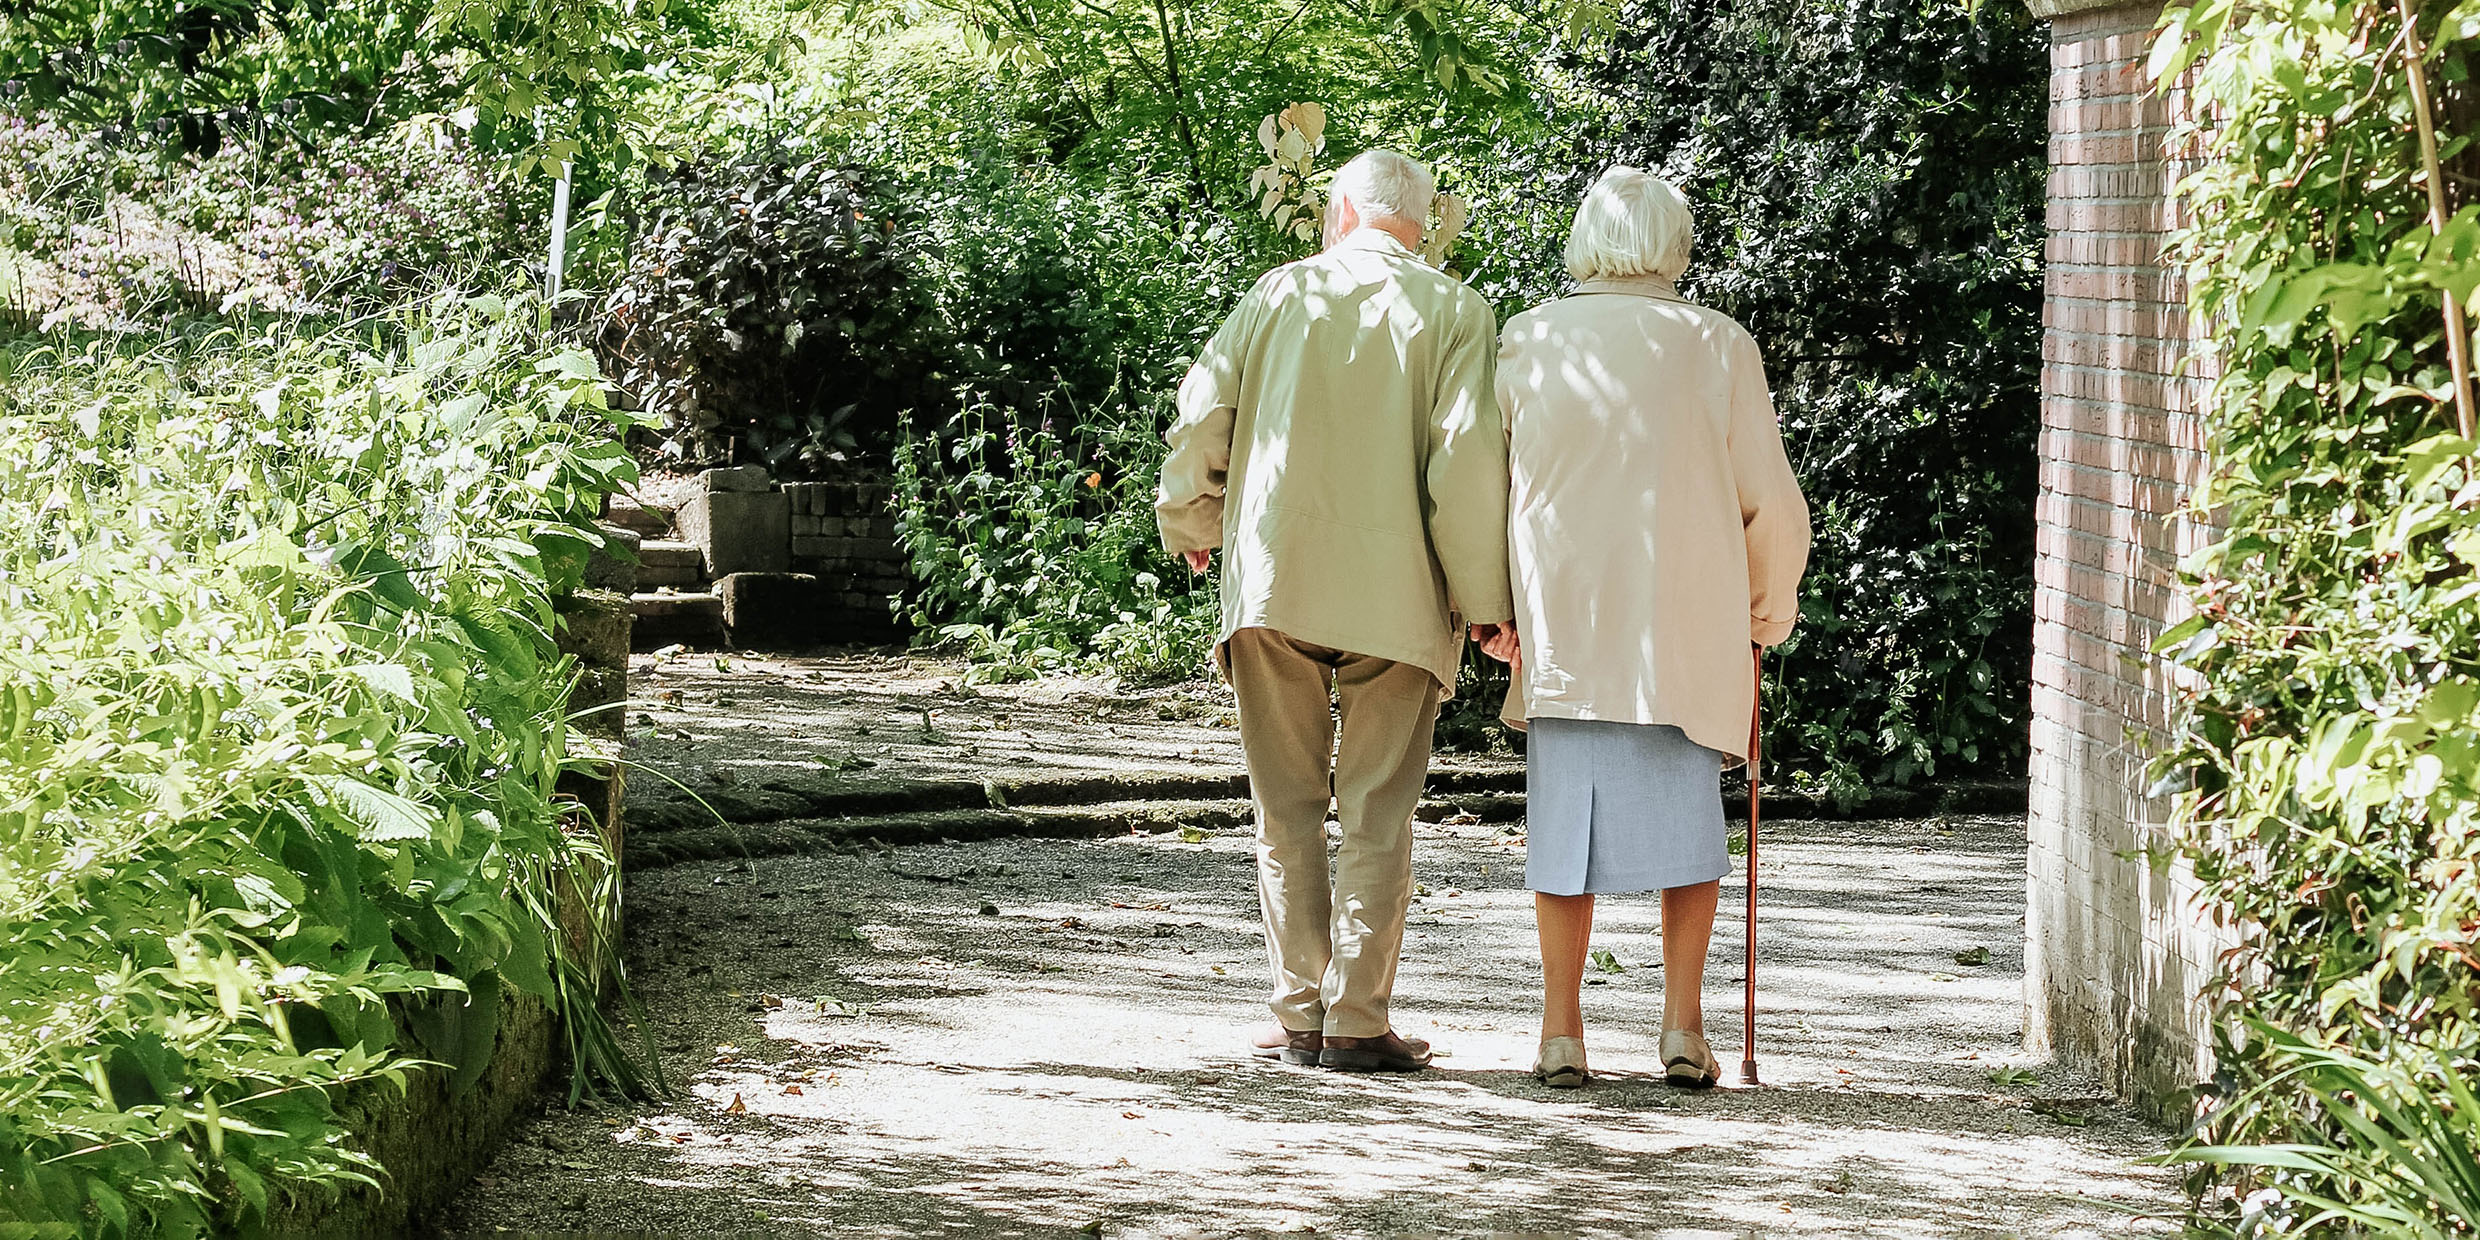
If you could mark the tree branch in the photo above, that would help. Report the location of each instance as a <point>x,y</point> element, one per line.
<point>1179,104</point>
<point>2458,334</point>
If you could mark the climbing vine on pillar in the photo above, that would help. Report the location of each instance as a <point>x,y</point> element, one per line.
<point>2329,753</point>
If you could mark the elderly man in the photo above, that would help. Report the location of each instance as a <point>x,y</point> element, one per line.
<point>1340,440</point>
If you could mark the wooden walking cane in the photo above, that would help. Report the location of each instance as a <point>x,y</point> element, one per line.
<point>1756,718</point>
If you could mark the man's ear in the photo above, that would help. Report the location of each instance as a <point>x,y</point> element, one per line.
<point>1341,218</point>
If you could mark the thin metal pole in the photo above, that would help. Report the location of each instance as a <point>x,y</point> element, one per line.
<point>556,272</point>
<point>1756,717</point>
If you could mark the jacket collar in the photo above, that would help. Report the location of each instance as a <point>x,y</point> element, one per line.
<point>1660,287</point>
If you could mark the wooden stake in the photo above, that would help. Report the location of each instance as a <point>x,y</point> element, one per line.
<point>1756,717</point>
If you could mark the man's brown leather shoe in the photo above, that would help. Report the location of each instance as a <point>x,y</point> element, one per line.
<point>1292,1046</point>
<point>1390,1053</point>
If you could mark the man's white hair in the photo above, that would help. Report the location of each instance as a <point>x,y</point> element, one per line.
<point>1381,184</point>
<point>1632,223</point>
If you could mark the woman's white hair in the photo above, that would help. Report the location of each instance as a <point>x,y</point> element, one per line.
<point>1632,223</point>
<point>1382,183</point>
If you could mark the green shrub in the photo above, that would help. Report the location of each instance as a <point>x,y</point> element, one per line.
<point>770,312</point>
<point>1033,545</point>
<point>1868,181</point>
<point>280,721</point>
<point>2328,743</point>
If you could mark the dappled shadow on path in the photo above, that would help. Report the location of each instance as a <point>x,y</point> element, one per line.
<point>871,1053</point>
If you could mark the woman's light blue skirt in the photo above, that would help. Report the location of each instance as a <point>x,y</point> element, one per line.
<point>1620,807</point>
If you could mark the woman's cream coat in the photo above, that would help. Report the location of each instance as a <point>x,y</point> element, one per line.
<point>1655,528</point>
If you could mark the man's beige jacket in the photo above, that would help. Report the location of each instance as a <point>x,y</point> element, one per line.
<point>1338,438</point>
<point>1657,528</point>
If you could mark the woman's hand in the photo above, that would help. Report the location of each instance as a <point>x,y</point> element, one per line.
<point>1198,561</point>
<point>1499,641</point>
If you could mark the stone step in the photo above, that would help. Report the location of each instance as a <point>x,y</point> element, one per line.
<point>648,522</point>
<point>688,579</point>
<point>669,552</point>
<point>667,562</point>
<point>676,619</point>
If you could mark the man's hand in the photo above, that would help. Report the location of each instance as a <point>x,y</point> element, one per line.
<point>1198,561</point>
<point>1499,641</point>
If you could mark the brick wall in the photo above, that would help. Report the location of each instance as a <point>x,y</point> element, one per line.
<point>2116,947</point>
<point>844,533</point>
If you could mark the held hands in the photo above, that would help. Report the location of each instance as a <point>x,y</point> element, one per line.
<point>1198,561</point>
<point>1499,641</point>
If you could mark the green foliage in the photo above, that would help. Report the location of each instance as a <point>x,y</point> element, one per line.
<point>1032,540</point>
<point>770,312</point>
<point>2405,1160</point>
<point>541,83</point>
<point>2329,742</point>
<point>280,721</point>
<point>105,236</point>
<point>555,79</point>
<point>191,77</point>
<point>1001,281</point>
<point>1172,91</point>
<point>1868,182</point>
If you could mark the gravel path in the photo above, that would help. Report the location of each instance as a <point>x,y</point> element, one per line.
<point>1038,1038</point>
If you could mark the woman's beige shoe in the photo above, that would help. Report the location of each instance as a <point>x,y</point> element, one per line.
<point>1686,1061</point>
<point>1561,1063</point>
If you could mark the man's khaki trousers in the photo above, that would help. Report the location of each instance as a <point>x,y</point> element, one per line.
<point>1334,938</point>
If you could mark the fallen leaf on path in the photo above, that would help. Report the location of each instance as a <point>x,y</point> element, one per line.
<point>1976,955</point>
<point>1218,970</point>
<point>738,1107</point>
<point>1607,962</point>
<point>770,1002</point>
<point>793,1090</point>
<point>1150,906</point>
<point>1944,977</point>
<point>1132,1115</point>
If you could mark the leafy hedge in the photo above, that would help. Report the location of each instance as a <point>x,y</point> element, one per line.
<point>1868,177</point>
<point>280,721</point>
<point>2330,737</point>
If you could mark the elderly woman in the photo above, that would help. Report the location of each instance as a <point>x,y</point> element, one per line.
<point>1649,487</point>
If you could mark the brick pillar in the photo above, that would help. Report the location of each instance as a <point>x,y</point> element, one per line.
<point>2116,948</point>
